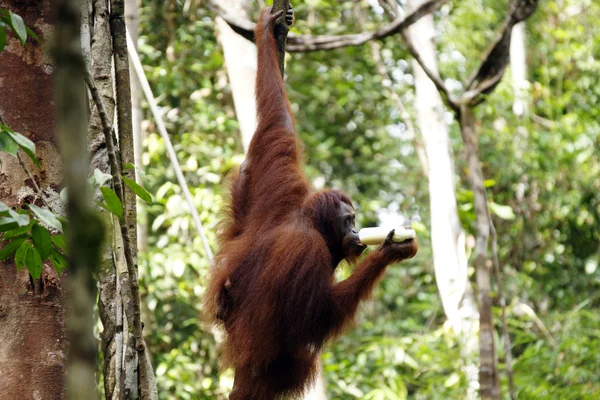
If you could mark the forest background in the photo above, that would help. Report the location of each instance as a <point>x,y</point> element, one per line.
<point>542,170</point>
<point>356,111</point>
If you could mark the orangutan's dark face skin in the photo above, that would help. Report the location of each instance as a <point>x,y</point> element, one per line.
<point>346,232</point>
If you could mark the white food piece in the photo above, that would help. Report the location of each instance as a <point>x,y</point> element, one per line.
<point>373,236</point>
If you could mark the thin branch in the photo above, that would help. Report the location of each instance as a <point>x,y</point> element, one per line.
<point>507,342</point>
<point>435,78</point>
<point>307,43</point>
<point>139,70</point>
<point>404,114</point>
<point>525,309</point>
<point>492,67</point>
<point>546,123</point>
<point>35,185</point>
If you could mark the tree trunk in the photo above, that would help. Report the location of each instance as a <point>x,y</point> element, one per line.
<point>240,61</point>
<point>447,235</point>
<point>32,314</point>
<point>110,303</point>
<point>132,20</point>
<point>518,67</point>
<point>85,233</point>
<point>488,372</point>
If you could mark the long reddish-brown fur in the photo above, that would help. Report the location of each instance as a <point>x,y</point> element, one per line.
<point>278,254</point>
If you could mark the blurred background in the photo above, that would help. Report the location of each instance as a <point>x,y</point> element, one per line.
<point>355,107</point>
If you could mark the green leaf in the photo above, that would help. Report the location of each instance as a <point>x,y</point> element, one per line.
<point>9,249</point>
<point>2,36</point>
<point>138,190</point>
<point>32,34</point>
<point>140,173</point>
<point>18,26</point>
<point>100,177</point>
<point>21,255</point>
<point>20,219</point>
<point>7,223</point>
<point>59,241</point>
<point>34,263</point>
<point>25,144</point>
<point>41,240</point>
<point>58,260</point>
<point>13,233</point>
<point>7,144</point>
<point>488,183</point>
<point>47,217</point>
<point>3,207</point>
<point>113,204</point>
<point>504,212</point>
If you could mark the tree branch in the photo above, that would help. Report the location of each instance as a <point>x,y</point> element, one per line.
<point>307,43</point>
<point>491,70</point>
<point>139,71</point>
<point>435,78</point>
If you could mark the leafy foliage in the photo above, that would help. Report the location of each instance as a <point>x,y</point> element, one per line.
<point>543,185</point>
<point>29,240</point>
<point>13,21</point>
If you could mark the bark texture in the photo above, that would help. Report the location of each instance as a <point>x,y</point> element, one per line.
<point>32,314</point>
<point>110,305</point>
<point>447,235</point>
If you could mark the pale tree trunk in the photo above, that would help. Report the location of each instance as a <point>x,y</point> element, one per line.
<point>32,314</point>
<point>447,235</point>
<point>518,67</point>
<point>240,61</point>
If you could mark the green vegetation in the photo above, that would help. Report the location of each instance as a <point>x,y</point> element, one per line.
<point>543,174</point>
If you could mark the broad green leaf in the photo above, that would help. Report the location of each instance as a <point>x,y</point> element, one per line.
<point>7,144</point>
<point>100,177</point>
<point>34,263</point>
<point>3,207</point>
<point>2,36</point>
<point>504,212</point>
<point>113,204</point>
<point>10,248</point>
<point>13,233</point>
<point>7,223</point>
<point>59,241</point>
<point>21,254</point>
<point>18,27</point>
<point>59,261</point>
<point>47,217</point>
<point>41,240</point>
<point>26,145</point>
<point>138,190</point>
<point>20,219</point>
<point>140,173</point>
